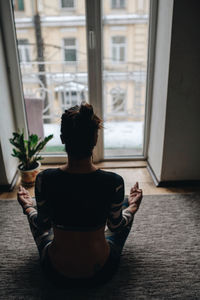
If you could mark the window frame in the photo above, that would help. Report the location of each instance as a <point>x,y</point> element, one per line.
<point>70,62</point>
<point>118,6</point>
<point>17,9</point>
<point>67,8</point>
<point>118,47</point>
<point>22,48</point>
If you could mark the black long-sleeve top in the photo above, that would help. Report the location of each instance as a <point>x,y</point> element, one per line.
<point>80,202</point>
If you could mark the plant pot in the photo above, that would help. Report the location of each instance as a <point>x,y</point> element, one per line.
<point>28,177</point>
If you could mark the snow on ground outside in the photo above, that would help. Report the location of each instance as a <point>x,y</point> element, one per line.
<point>116,134</point>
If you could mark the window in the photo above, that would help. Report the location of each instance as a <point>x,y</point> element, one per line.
<point>70,54</point>
<point>67,4</point>
<point>71,94</point>
<point>89,60</point>
<point>117,4</point>
<point>69,99</point>
<point>18,5</point>
<point>118,48</point>
<point>118,101</point>
<point>24,50</point>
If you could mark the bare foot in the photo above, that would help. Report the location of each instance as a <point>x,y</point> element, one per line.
<point>135,198</point>
<point>24,198</point>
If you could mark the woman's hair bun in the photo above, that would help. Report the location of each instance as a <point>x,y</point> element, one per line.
<point>86,111</point>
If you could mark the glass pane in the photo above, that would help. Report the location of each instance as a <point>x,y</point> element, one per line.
<point>118,39</point>
<point>27,54</point>
<point>122,54</point>
<point>70,55</point>
<point>23,42</point>
<point>45,42</point>
<point>122,3</point>
<point>114,3</point>
<point>114,54</point>
<point>20,4</point>
<point>70,42</point>
<point>68,3</point>
<point>124,76</point>
<point>118,3</point>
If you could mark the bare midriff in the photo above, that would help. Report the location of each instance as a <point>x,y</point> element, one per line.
<point>78,254</point>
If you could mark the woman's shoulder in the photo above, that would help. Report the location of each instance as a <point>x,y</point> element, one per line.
<point>111,176</point>
<point>47,173</point>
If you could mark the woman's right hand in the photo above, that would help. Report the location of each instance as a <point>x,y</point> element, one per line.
<point>24,197</point>
<point>135,198</point>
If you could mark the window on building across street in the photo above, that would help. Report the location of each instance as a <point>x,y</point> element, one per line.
<point>67,3</point>
<point>118,101</point>
<point>70,51</point>
<point>118,4</point>
<point>24,50</point>
<point>18,5</point>
<point>71,98</point>
<point>118,48</point>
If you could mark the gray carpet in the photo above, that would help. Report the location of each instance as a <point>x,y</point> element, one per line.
<point>161,259</point>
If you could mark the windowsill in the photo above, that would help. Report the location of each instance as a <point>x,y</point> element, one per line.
<point>71,63</point>
<point>121,63</point>
<point>67,9</point>
<point>118,8</point>
<point>107,163</point>
<point>122,164</point>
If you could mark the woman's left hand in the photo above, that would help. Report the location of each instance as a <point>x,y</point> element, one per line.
<point>135,198</point>
<point>24,197</point>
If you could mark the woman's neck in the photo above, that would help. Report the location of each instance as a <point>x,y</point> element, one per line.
<point>84,165</point>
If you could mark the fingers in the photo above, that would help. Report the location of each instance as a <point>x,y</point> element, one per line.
<point>135,195</point>
<point>135,202</point>
<point>136,191</point>
<point>22,190</point>
<point>135,187</point>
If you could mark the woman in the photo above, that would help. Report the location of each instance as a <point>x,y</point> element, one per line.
<point>75,203</point>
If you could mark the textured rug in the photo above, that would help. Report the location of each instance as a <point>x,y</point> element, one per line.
<point>161,259</point>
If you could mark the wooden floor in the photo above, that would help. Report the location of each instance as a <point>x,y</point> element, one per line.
<point>131,172</point>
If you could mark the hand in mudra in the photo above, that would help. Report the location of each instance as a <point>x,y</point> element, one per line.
<point>24,197</point>
<point>135,198</point>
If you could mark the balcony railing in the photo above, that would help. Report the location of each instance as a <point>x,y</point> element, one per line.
<point>62,85</point>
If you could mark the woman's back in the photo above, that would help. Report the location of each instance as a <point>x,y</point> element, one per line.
<point>78,206</point>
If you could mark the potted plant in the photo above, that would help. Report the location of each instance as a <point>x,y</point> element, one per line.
<point>27,151</point>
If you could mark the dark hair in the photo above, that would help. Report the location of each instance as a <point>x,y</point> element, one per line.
<point>79,127</point>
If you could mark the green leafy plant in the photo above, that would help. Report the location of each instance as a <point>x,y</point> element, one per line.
<point>27,151</point>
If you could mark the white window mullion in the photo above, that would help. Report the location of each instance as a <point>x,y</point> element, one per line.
<point>94,40</point>
<point>153,17</point>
